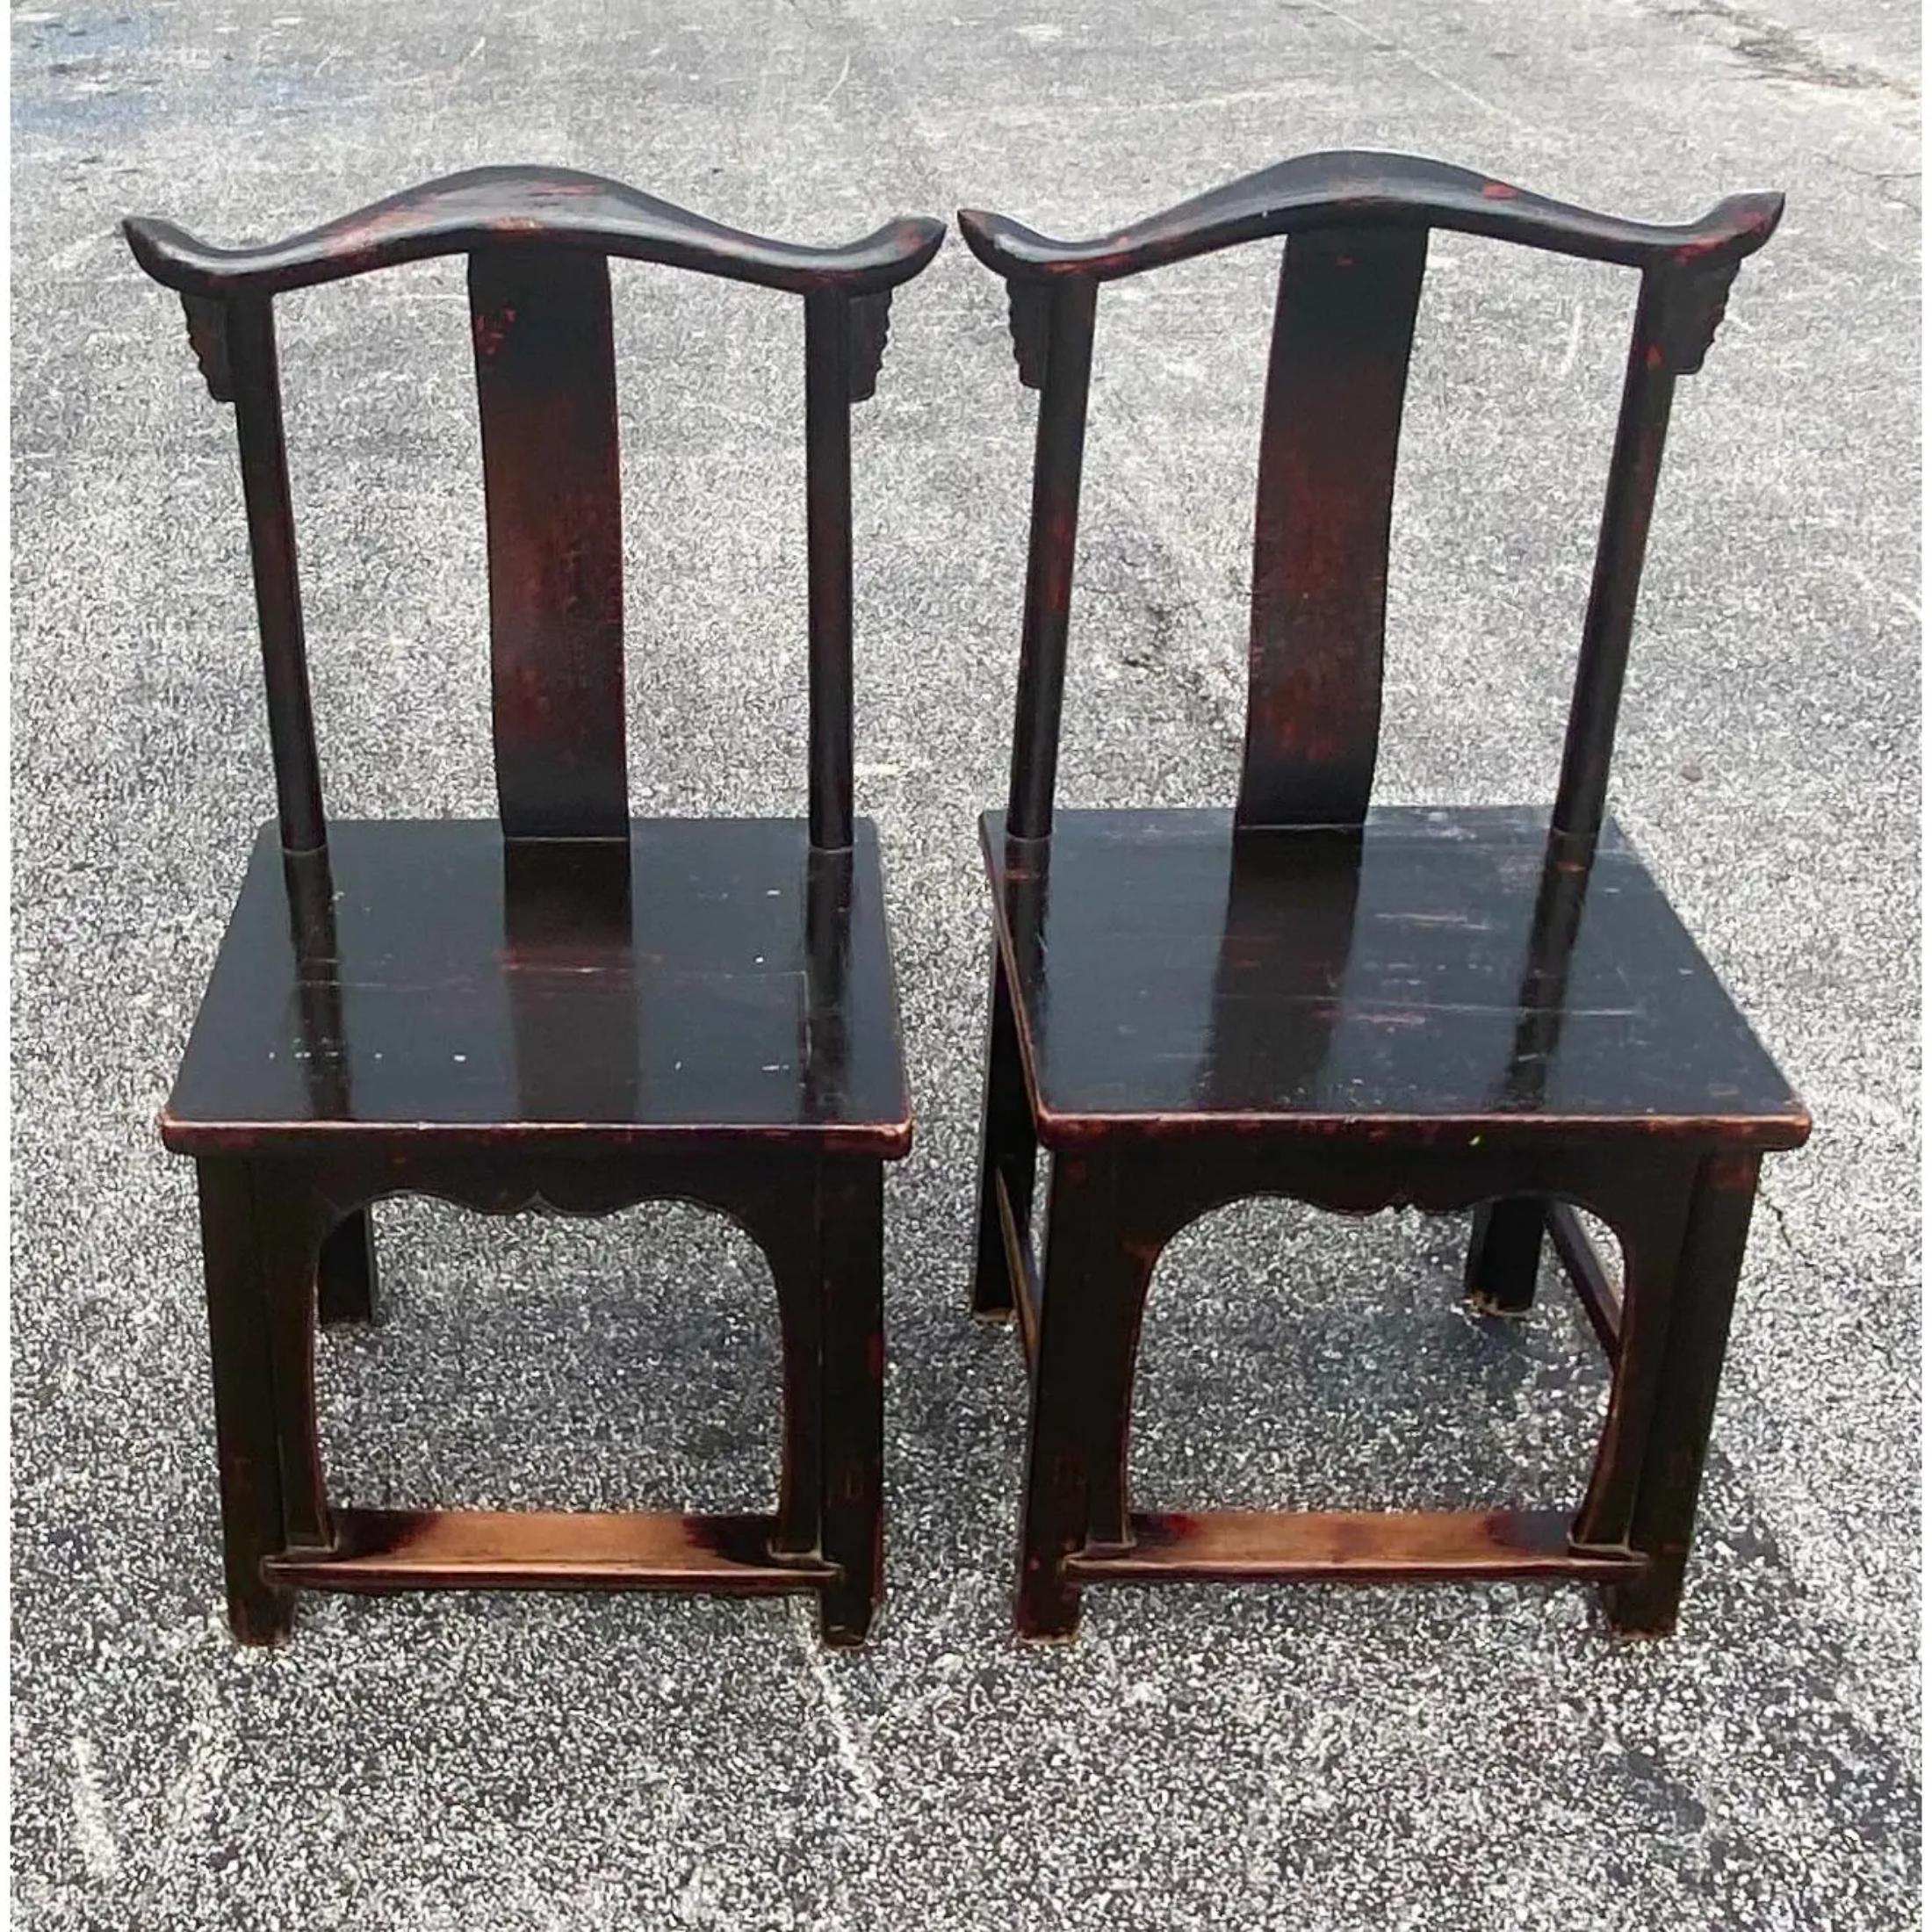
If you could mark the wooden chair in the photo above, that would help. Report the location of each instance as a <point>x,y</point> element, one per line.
<point>1359,1008</point>
<point>572,1010</point>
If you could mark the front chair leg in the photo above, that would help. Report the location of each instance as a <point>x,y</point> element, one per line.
<point>244,1402</point>
<point>1096,1277</point>
<point>291,1221</point>
<point>1008,1154</point>
<point>789,1233</point>
<point>1505,1249</point>
<point>345,1274</point>
<point>851,1269</point>
<point>1672,1469</point>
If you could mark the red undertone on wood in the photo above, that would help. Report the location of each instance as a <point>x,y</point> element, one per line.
<point>1352,1546</point>
<point>382,1550</point>
<point>565,1009</point>
<point>1491,1009</point>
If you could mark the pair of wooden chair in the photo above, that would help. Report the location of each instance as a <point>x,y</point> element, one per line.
<point>575,1009</point>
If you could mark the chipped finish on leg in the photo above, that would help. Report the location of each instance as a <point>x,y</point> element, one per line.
<point>1692,1361</point>
<point>289,1221</point>
<point>1505,1249</point>
<point>248,1453</point>
<point>345,1273</point>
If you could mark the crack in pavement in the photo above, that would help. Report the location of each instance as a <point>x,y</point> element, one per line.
<point>1780,53</point>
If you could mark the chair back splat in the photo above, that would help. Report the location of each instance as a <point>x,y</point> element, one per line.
<point>1356,229</point>
<point>538,243</point>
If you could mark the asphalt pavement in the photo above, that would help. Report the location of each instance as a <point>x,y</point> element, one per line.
<point>1295,1757</point>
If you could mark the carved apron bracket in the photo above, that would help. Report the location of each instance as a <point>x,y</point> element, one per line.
<point>1029,316</point>
<point>208,336</point>
<point>870,320</point>
<point>1695,309</point>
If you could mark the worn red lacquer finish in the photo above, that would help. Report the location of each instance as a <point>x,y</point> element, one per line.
<point>566,1008</point>
<point>1357,1007</point>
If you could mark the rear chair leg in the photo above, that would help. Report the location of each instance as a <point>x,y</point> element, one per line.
<point>851,1270</point>
<point>1680,1432</point>
<point>1007,1152</point>
<point>244,1402</point>
<point>1505,1249</point>
<point>345,1275</point>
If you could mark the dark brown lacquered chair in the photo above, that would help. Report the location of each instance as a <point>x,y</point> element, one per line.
<point>1359,1008</point>
<point>567,1009</point>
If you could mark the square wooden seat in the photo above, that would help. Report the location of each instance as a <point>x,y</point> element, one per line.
<point>565,1009</point>
<point>1331,984</point>
<point>717,981</point>
<point>1361,1009</point>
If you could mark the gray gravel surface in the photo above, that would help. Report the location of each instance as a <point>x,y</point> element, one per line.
<point>1303,1758</point>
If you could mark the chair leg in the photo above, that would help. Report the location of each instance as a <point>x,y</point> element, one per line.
<point>851,1271</point>
<point>290,1222</point>
<point>1007,1151</point>
<point>1680,1432</point>
<point>1096,1273</point>
<point>788,1231</point>
<point>1505,1249</point>
<point>345,1276</point>
<point>244,1403</point>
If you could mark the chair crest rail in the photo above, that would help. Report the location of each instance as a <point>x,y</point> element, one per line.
<point>1361,190</point>
<point>528,207</point>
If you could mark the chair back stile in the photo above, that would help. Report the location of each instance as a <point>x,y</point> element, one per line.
<point>248,328</point>
<point>1356,231</point>
<point>1059,367</point>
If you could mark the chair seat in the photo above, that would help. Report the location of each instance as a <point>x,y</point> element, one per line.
<point>714,980</point>
<point>1173,973</point>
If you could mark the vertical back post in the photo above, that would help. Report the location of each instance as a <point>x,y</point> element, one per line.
<point>1060,441</point>
<point>248,326</point>
<point>829,383</point>
<point>1664,344</point>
